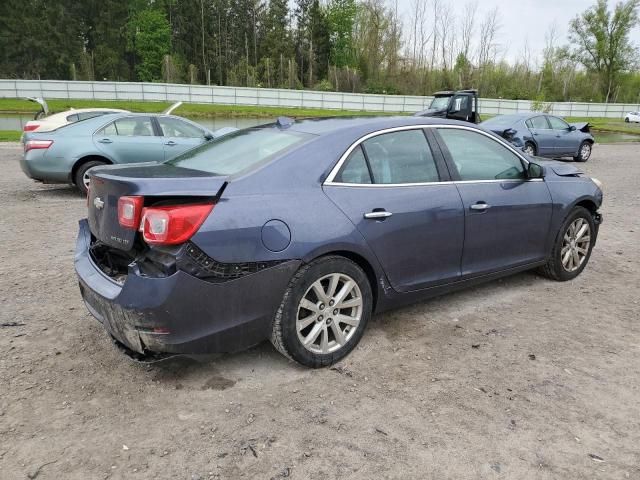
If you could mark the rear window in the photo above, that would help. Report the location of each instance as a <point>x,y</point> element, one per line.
<point>237,151</point>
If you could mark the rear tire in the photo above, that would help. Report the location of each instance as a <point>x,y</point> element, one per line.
<point>584,152</point>
<point>530,149</point>
<point>571,252</point>
<point>80,179</point>
<point>323,313</point>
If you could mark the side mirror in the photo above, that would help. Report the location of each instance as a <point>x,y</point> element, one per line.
<point>535,171</point>
<point>208,136</point>
<point>572,128</point>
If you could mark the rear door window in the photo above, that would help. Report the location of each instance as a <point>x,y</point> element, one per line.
<point>355,169</point>
<point>130,127</point>
<point>400,157</point>
<point>539,123</point>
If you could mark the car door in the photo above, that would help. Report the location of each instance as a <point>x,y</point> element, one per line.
<point>567,140</point>
<point>461,107</point>
<point>391,187</point>
<point>179,136</point>
<point>507,215</point>
<point>542,134</point>
<point>130,139</point>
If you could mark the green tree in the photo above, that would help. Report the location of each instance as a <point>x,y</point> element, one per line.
<point>341,15</point>
<point>150,40</point>
<point>602,41</point>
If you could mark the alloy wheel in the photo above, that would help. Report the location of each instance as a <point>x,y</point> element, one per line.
<point>529,150</point>
<point>85,180</point>
<point>329,313</point>
<point>575,245</point>
<point>585,151</point>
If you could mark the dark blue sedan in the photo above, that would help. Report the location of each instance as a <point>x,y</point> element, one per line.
<point>299,231</point>
<point>540,134</point>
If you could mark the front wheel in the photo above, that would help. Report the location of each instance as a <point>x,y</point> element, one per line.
<point>323,313</point>
<point>572,249</point>
<point>584,152</point>
<point>626,119</point>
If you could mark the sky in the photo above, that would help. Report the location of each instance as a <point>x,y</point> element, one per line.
<point>523,20</point>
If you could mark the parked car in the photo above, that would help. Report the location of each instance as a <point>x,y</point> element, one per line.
<point>65,155</point>
<point>544,135</point>
<point>58,120</point>
<point>299,231</point>
<point>632,117</point>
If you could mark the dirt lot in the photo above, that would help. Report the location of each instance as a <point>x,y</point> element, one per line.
<point>448,388</point>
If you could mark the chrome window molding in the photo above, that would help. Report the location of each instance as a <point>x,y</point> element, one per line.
<point>329,181</point>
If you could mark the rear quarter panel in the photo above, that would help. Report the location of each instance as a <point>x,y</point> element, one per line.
<point>289,190</point>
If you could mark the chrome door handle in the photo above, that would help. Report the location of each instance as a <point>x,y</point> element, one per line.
<point>171,143</point>
<point>378,215</point>
<point>480,206</point>
<point>105,140</point>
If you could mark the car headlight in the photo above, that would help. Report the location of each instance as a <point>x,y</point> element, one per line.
<point>597,182</point>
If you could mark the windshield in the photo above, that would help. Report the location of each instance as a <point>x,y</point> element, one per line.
<point>239,150</point>
<point>439,103</point>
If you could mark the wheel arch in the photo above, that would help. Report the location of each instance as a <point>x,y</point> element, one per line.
<point>586,203</point>
<point>363,263</point>
<point>87,158</point>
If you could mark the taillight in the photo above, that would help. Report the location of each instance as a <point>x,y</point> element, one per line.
<point>30,127</point>
<point>37,144</point>
<point>129,211</point>
<point>172,224</point>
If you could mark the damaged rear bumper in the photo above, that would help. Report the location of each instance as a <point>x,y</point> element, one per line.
<point>181,313</point>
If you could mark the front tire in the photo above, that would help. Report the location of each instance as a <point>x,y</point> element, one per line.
<point>572,248</point>
<point>584,152</point>
<point>626,119</point>
<point>323,313</point>
<point>81,179</point>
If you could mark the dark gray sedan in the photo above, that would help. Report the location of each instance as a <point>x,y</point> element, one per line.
<point>543,135</point>
<point>299,231</point>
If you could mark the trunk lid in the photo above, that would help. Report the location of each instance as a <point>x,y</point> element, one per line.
<point>156,182</point>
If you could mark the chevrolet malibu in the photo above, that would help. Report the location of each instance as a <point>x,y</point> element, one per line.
<point>298,231</point>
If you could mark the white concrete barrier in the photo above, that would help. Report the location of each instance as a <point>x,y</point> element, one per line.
<point>272,97</point>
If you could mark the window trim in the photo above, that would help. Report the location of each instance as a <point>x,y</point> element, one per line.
<point>329,181</point>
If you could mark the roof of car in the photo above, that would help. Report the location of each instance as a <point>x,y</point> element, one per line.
<point>320,126</point>
<point>84,110</point>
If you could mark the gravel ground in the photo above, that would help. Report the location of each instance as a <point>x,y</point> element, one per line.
<point>519,378</point>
